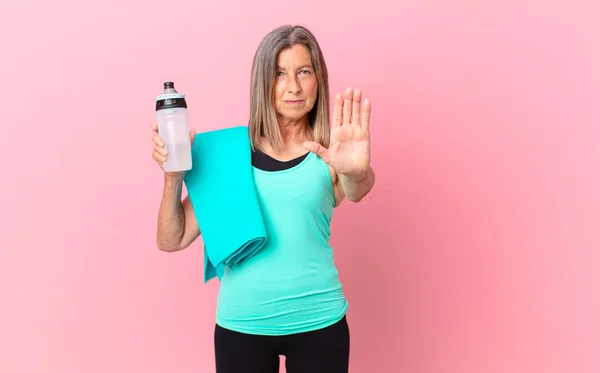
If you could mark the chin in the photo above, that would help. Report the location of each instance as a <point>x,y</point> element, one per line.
<point>293,116</point>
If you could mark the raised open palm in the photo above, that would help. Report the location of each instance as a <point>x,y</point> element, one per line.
<point>349,150</point>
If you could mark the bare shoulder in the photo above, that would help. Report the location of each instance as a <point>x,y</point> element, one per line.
<point>337,190</point>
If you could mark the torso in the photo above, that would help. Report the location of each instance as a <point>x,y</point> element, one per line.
<point>265,162</point>
<point>293,153</point>
<point>292,284</point>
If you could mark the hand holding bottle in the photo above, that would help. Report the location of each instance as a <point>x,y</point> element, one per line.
<point>160,153</point>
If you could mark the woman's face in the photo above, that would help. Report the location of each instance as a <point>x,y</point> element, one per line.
<point>296,85</point>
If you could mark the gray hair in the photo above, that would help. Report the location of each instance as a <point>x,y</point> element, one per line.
<point>263,118</point>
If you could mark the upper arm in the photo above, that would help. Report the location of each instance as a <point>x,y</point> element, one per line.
<point>191,230</point>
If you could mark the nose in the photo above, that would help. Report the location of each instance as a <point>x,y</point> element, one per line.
<point>293,86</point>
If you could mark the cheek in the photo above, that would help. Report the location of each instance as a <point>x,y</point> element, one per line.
<point>313,88</point>
<point>278,91</point>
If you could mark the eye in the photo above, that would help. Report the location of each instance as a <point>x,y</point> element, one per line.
<point>280,73</point>
<point>305,72</point>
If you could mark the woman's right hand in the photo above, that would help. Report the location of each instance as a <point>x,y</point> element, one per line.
<point>160,153</point>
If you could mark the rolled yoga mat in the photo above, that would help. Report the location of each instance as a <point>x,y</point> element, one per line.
<point>222,191</point>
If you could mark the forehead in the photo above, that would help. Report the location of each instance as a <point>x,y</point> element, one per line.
<point>294,56</point>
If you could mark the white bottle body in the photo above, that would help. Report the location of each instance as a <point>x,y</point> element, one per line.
<point>174,130</point>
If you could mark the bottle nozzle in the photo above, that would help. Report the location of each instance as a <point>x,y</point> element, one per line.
<point>169,87</point>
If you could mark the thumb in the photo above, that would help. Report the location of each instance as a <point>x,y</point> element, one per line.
<point>315,147</point>
<point>192,137</point>
<point>318,149</point>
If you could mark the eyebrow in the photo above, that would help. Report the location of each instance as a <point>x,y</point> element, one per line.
<point>299,68</point>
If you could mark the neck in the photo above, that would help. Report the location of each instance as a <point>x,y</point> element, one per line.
<point>294,132</point>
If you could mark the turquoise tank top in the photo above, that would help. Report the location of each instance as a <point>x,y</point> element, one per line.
<point>292,284</point>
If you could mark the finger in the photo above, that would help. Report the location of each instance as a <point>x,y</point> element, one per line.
<point>356,106</point>
<point>366,114</point>
<point>154,127</point>
<point>347,106</point>
<point>157,140</point>
<point>160,159</point>
<point>337,110</point>
<point>160,150</point>
<point>192,137</point>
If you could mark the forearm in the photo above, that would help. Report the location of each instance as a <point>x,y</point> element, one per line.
<point>355,188</point>
<point>171,218</point>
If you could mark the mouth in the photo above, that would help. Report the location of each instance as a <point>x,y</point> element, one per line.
<point>294,102</point>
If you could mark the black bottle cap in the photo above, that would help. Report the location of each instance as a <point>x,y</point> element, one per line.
<point>170,103</point>
<point>170,98</point>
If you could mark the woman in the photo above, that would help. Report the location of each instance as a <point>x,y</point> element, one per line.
<point>287,300</point>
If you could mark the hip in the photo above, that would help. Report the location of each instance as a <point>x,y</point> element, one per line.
<point>272,311</point>
<point>325,350</point>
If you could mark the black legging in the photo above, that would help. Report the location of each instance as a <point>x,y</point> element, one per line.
<point>322,351</point>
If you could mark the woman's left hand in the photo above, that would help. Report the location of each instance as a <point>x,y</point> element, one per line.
<point>349,152</point>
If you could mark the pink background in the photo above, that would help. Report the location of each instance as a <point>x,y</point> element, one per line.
<point>476,252</point>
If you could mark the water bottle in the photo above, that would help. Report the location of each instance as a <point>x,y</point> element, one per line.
<point>172,120</point>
